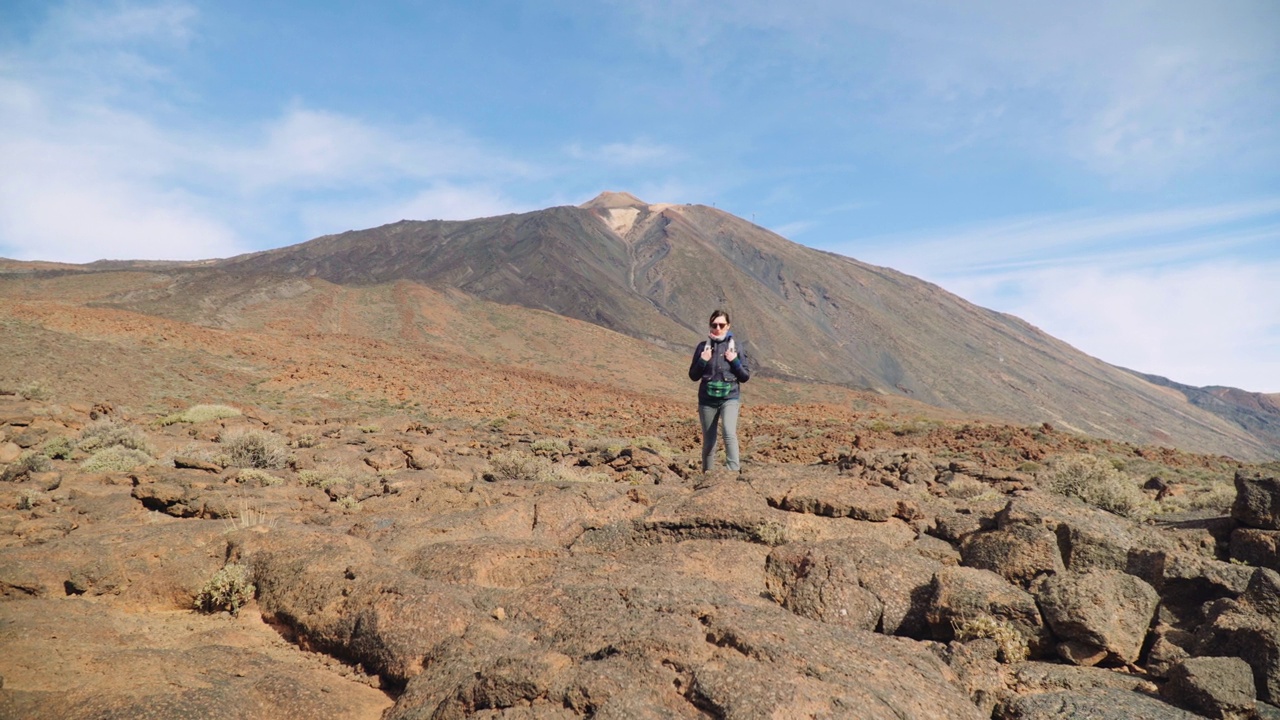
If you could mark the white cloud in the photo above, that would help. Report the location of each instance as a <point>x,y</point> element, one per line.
<point>1209,324</point>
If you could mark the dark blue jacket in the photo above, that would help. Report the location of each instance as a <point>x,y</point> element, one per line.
<point>717,368</point>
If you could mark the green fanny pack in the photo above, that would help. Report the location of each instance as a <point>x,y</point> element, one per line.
<point>719,389</point>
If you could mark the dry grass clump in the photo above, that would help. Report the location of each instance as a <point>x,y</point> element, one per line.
<point>231,588</point>
<point>108,433</point>
<point>531,468</point>
<point>1011,644</point>
<point>255,449</point>
<point>1097,482</point>
<point>116,458</point>
<point>518,466</point>
<point>199,414</point>
<point>965,488</point>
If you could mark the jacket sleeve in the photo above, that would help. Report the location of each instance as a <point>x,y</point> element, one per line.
<point>698,366</point>
<point>739,366</point>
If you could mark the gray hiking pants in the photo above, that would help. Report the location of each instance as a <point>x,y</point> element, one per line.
<point>727,415</point>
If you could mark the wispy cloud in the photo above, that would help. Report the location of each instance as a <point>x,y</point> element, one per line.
<point>1133,91</point>
<point>640,152</point>
<point>1143,238</point>
<point>1188,293</point>
<point>99,165</point>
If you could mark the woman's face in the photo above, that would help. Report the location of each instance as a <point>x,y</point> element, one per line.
<point>719,325</point>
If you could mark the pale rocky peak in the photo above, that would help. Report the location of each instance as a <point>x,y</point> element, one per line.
<point>608,200</point>
<point>619,210</point>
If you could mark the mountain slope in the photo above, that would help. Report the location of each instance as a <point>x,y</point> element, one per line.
<point>655,272</point>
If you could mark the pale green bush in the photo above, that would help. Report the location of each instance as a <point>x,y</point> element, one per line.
<point>35,390</point>
<point>116,458</point>
<point>260,477</point>
<point>1097,482</point>
<point>108,433</point>
<point>58,448</point>
<point>549,446</point>
<point>231,588</point>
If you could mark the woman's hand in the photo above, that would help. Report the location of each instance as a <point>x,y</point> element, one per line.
<point>706,352</point>
<point>731,354</point>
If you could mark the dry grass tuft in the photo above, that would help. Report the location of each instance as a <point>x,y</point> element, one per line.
<point>256,449</point>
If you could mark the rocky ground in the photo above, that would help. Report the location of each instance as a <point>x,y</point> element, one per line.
<point>222,562</point>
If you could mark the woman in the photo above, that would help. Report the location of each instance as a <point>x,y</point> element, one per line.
<point>720,363</point>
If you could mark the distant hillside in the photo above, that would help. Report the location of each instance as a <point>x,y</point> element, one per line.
<point>655,271</point>
<point>1258,413</point>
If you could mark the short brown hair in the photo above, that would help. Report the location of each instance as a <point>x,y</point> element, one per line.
<point>719,313</point>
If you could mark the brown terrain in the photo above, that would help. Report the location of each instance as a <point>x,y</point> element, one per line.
<point>374,476</point>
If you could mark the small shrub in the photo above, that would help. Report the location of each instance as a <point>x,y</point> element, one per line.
<point>58,448</point>
<point>966,488</point>
<point>27,463</point>
<point>116,458</point>
<point>655,444</point>
<point>369,429</point>
<point>549,446</point>
<point>306,441</point>
<point>35,390</point>
<point>255,449</point>
<point>261,477</point>
<point>531,468</point>
<point>249,515</point>
<point>200,413</point>
<point>518,466</point>
<point>1012,645</point>
<point>109,433</point>
<point>1097,482</point>
<point>30,498</point>
<point>231,588</point>
<point>770,532</point>
<point>348,502</point>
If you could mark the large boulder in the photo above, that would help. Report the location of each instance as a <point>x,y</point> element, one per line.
<point>1020,553</point>
<point>1257,502</point>
<point>961,597</point>
<point>1091,705</point>
<point>1260,548</point>
<point>1235,629</point>
<point>1217,687</point>
<point>865,585</point>
<point>1104,609</point>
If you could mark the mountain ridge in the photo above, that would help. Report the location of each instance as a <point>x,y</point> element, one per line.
<point>655,271</point>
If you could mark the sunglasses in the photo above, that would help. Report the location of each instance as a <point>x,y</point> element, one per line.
<point>719,325</point>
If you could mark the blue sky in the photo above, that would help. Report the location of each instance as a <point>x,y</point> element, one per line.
<point>1109,171</point>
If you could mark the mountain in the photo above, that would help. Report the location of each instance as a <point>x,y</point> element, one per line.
<point>655,271</point>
